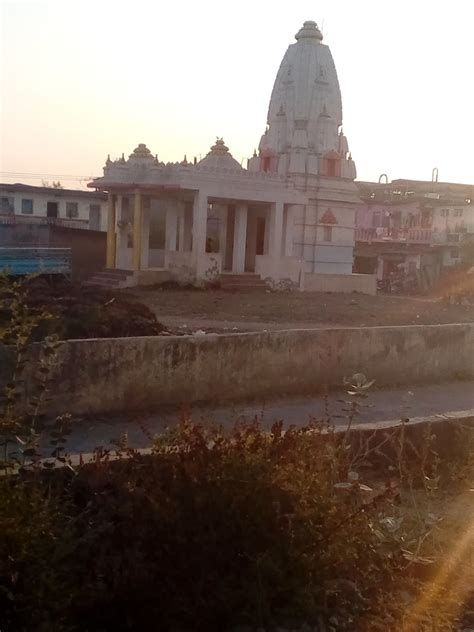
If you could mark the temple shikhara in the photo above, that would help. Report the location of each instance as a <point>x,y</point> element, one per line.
<point>287,218</point>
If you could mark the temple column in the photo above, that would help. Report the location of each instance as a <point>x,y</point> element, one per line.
<point>276,229</point>
<point>145,234</point>
<point>111,237</point>
<point>199,224</point>
<point>289,223</point>
<point>223,213</point>
<point>240,238</point>
<point>137,231</point>
<point>188,227</point>
<point>251,250</point>
<point>181,212</point>
<point>120,241</point>
<point>171,231</point>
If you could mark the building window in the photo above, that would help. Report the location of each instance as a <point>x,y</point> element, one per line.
<point>445,212</point>
<point>458,212</point>
<point>266,163</point>
<point>453,237</point>
<point>7,205</point>
<point>72,210</point>
<point>27,207</point>
<point>327,233</point>
<point>454,252</point>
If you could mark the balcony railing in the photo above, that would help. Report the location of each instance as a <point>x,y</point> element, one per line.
<point>400,235</point>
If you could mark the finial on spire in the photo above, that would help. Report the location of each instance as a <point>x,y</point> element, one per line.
<point>219,147</point>
<point>309,31</point>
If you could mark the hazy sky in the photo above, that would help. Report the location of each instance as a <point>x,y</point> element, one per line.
<point>83,79</point>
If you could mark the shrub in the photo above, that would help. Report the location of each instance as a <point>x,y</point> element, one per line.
<point>215,529</point>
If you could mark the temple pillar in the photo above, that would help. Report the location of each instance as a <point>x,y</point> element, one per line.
<point>145,234</point>
<point>276,229</point>
<point>240,238</point>
<point>223,214</point>
<point>111,236</point>
<point>137,231</point>
<point>251,250</point>
<point>199,224</point>
<point>288,232</point>
<point>188,227</point>
<point>171,230</point>
<point>181,213</point>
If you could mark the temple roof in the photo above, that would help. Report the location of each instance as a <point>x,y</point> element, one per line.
<point>219,157</point>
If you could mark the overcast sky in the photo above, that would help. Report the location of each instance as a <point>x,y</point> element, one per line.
<point>83,79</point>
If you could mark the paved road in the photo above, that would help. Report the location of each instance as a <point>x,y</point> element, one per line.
<point>381,405</point>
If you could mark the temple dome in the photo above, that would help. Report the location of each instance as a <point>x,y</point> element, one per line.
<point>219,157</point>
<point>141,154</point>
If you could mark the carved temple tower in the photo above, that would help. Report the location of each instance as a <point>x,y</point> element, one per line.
<point>305,143</point>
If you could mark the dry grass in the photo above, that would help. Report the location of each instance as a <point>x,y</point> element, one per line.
<point>257,309</point>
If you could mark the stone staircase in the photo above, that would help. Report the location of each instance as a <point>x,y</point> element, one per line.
<point>242,282</point>
<point>110,279</point>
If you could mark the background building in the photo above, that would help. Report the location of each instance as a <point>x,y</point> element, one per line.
<point>412,226</point>
<point>67,207</point>
<point>46,217</point>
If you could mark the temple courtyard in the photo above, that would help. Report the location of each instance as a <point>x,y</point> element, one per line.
<point>227,312</point>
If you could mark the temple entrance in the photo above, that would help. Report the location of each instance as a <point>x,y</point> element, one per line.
<point>260,246</point>
<point>255,244</point>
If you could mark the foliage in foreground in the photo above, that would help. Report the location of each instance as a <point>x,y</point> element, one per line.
<point>210,531</point>
<point>214,529</point>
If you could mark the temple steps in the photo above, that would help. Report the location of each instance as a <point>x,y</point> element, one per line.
<point>110,279</point>
<point>242,282</point>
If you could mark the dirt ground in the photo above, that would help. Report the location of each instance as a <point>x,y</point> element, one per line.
<point>217,310</point>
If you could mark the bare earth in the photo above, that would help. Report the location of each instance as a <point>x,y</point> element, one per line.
<point>217,310</point>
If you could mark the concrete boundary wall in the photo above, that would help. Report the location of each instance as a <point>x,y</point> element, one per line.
<point>346,283</point>
<point>111,375</point>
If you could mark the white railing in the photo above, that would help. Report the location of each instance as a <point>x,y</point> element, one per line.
<point>415,235</point>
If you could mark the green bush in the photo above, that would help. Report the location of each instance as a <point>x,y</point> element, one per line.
<point>210,531</point>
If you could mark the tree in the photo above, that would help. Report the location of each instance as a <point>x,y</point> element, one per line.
<point>53,185</point>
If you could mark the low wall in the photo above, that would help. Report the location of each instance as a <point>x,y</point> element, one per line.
<point>180,266</point>
<point>280,272</point>
<point>123,374</point>
<point>318,282</point>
